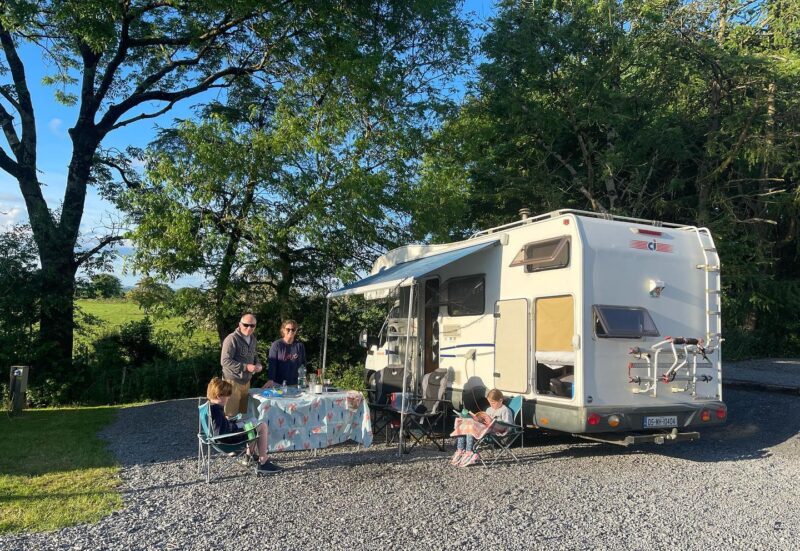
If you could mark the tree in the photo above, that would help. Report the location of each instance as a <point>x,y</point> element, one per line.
<point>19,297</point>
<point>302,177</point>
<point>118,62</point>
<point>683,111</point>
<point>151,295</point>
<point>104,286</point>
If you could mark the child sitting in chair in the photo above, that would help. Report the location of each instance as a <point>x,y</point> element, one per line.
<point>465,429</point>
<point>218,393</point>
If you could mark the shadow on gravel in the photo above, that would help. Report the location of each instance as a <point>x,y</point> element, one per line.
<point>757,423</point>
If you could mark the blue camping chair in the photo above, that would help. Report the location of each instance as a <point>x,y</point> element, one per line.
<point>207,443</point>
<point>499,443</point>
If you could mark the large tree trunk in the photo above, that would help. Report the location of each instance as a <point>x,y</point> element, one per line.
<point>56,323</point>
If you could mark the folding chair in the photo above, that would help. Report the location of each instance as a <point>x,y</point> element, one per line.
<point>382,385</point>
<point>501,436</point>
<point>428,411</point>
<point>207,443</point>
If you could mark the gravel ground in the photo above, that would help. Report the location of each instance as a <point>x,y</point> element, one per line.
<point>735,489</point>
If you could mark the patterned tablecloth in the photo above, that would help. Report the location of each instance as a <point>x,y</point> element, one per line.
<point>309,421</point>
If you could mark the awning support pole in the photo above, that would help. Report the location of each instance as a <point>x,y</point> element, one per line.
<point>406,368</point>
<point>325,340</point>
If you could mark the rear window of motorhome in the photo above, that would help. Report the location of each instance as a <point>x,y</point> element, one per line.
<point>550,254</point>
<point>623,322</point>
<point>466,296</point>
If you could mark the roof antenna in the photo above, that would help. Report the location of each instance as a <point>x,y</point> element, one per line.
<point>524,213</point>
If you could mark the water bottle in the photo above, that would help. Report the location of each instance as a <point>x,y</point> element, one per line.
<point>283,388</point>
<point>301,376</point>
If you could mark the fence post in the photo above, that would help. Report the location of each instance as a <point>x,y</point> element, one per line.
<point>18,386</point>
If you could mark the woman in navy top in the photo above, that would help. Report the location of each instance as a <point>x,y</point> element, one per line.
<point>286,355</point>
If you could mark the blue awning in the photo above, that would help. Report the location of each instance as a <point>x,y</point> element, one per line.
<point>402,275</point>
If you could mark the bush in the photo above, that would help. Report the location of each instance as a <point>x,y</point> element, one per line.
<point>346,377</point>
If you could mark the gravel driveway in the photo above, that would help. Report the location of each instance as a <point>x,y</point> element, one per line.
<point>736,489</point>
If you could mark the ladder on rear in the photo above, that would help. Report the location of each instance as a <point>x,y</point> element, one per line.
<point>713,294</point>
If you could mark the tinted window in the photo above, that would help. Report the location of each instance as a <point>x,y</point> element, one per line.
<point>466,296</point>
<point>544,255</point>
<point>623,321</point>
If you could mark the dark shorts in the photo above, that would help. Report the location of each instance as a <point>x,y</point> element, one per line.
<point>237,439</point>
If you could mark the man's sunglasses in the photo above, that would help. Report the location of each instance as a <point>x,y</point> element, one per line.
<point>290,329</point>
<point>247,324</point>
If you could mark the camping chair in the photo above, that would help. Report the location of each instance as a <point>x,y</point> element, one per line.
<point>428,414</point>
<point>207,443</point>
<point>383,384</point>
<point>499,443</point>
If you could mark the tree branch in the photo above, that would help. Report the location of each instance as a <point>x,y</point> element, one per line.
<point>107,123</point>
<point>104,242</point>
<point>28,150</point>
<point>7,122</point>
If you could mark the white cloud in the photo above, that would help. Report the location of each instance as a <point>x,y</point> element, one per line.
<point>9,216</point>
<point>55,126</point>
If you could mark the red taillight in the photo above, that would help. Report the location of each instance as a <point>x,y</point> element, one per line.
<point>722,413</point>
<point>648,232</point>
<point>593,419</point>
<point>705,415</point>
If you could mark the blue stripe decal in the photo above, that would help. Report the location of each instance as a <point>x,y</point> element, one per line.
<point>448,356</point>
<point>466,345</point>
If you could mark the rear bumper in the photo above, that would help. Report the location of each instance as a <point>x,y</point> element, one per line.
<point>629,419</point>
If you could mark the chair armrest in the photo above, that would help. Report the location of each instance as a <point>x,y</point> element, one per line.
<point>214,439</point>
<point>502,424</point>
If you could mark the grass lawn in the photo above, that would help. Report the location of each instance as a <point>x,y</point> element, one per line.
<point>54,470</point>
<point>115,312</point>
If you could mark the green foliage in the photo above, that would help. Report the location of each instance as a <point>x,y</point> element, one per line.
<point>100,286</point>
<point>151,295</point>
<point>268,199</point>
<point>678,111</point>
<point>54,470</point>
<point>19,297</point>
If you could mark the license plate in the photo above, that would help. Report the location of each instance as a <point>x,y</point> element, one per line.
<point>661,421</point>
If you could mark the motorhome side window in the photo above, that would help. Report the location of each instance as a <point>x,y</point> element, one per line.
<point>623,322</point>
<point>466,296</point>
<point>550,254</point>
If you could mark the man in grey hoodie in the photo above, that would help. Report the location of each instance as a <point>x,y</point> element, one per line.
<point>239,361</point>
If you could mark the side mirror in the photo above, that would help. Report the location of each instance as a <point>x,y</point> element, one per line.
<point>363,338</point>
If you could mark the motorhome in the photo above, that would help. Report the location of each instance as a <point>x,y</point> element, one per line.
<point>609,327</point>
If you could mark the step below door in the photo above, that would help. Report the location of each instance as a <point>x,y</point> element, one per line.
<point>511,345</point>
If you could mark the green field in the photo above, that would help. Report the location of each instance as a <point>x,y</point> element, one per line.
<point>115,312</point>
<point>54,470</point>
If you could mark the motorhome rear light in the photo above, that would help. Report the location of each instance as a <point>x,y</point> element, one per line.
<point>613,420</point>
<point>648,232</point>
<point>593,419</point>
<point>705,415</point>
<point>722,413</point>
<point>566,222</point>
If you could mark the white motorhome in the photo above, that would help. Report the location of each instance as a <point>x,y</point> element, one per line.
<point>609,327</point>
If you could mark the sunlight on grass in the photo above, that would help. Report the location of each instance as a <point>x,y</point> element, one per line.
<point>115,312</point>
<point>55,470</point>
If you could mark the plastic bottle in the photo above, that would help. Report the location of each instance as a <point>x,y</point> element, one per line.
<point>301,376</point>
<point>283,388</point>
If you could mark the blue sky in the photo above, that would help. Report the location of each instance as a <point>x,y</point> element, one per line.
<point>54,119</point>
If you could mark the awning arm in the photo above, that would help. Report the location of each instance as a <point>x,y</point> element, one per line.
<point>403,403</point>
<point>325,346</point>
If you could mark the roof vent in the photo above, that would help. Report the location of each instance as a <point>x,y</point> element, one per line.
<point>524,213</point>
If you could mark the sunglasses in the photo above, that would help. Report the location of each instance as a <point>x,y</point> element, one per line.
<point>247,324</point>
<point>290,329</point>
